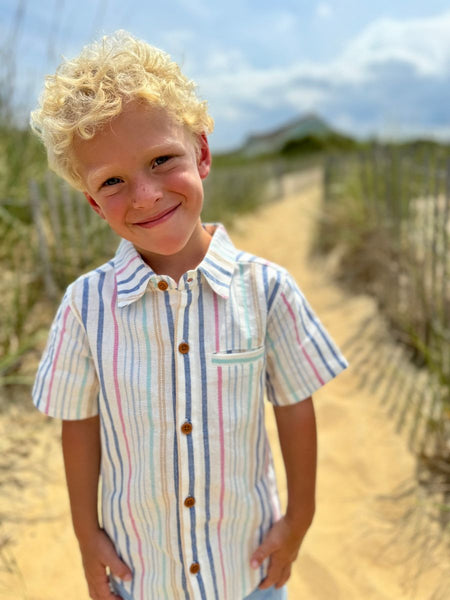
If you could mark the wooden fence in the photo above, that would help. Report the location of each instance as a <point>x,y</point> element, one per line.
<point>56,237</point>
<point>405,203</point>
<point>69,237</point>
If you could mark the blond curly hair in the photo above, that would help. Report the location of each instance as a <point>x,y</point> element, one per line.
<point>90,90</point>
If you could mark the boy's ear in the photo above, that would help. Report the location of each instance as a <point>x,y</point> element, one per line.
<point>203,156</point>
<point>94,205</point>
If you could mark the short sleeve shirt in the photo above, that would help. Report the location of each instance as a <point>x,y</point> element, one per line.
<point>178,373</point>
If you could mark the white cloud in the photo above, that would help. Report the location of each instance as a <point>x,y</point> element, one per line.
<point>284,22</point>
<point>423,43</point>
<point>360,87</point>
<point>324,10</point>
<point>226,62</point>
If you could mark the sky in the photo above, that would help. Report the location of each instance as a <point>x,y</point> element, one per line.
<point>369,69</point>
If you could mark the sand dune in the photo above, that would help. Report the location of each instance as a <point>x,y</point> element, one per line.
<point>372,537</point>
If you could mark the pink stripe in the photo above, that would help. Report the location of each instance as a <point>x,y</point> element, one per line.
<point>222,448</point>
<point>55,362</point>
<point>311,364</point>
<point>122,421</point>
<point>127,265</point>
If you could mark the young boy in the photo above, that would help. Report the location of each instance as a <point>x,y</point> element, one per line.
<point>157,362</point>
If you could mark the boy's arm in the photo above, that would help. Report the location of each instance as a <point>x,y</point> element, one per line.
<point>298,440</point>
<point>81,450</point>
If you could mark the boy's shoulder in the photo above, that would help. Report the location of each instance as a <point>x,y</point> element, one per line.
<point>94,276</point>
<point>101,279</point>
<point>247,259</point>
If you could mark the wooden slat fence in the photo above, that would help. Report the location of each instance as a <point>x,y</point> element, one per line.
<point>406,202</point>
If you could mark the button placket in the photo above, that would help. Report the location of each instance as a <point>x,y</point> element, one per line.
<point>185,427</point>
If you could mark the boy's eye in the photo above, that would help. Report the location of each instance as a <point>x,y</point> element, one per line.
<point>111,181</point>
<point>161,160</point>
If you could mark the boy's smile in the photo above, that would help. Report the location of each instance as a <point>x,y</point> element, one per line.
<point>143,174</point>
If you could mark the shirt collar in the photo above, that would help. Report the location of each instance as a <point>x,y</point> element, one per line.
<point>134,275</point>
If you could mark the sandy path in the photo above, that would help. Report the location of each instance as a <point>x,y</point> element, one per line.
<point>361,545</point>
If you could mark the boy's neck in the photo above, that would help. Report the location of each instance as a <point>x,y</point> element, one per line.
<point>176,265</point>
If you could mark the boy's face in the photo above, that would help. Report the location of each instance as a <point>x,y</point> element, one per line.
<point>142,174</point>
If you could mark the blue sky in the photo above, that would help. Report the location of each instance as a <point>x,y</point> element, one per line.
<point>380,69</point>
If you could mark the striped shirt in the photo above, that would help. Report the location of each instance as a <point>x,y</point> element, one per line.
<point>177,372</point>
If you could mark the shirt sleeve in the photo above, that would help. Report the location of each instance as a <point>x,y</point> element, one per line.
<point>66,384</point>
<point>301,355</point>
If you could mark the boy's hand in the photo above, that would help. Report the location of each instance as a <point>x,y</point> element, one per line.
<point>281,544</point>
<point>97,554</point>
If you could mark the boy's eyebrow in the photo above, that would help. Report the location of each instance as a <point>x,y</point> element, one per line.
<point>99,175</point>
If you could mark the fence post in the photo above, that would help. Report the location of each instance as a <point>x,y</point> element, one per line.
<point>445,277</point>
<point>43,250</point>
<point>54,212</point>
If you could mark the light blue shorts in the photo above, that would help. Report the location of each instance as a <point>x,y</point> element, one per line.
<point>270,594</point>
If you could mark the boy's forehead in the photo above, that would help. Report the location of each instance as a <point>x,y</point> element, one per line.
<point>136,117</point>
<point>137,128</point>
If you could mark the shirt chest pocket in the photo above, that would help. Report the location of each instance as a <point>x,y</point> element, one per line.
<point>238,357</point>
<point>238,378</point>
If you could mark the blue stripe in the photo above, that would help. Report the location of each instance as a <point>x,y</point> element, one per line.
<point>272,397</point>
<point>101,319</point>
<point>274,292</point>
<point>136,287</point>
<point>46,366</point>
<point>286,349</point>
<point>313,341</point>
<point>102,269</point>
<point>260,456</point>
<point>85,303</point>
<point>342,363</point>
<point>209,276</point>
<point>191,464</point>
<point>175,442</point>
<point>217,267</point>
<point>132,276</point>
<point>266,284</point>
<point>201,320</point>
<point>65,382</point>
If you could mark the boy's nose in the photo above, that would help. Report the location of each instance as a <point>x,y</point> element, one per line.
<point>146,192</point>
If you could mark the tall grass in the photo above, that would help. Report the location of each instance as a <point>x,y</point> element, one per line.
<point>387,215</point>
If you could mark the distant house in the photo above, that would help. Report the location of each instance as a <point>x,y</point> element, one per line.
<point>309,126</point>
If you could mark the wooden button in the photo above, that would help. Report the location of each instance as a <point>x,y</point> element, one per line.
<point>183,348</point>
<point>194,568</point>
<point>163,285</point>
<point>186,428</point>
<point>189,501</point>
